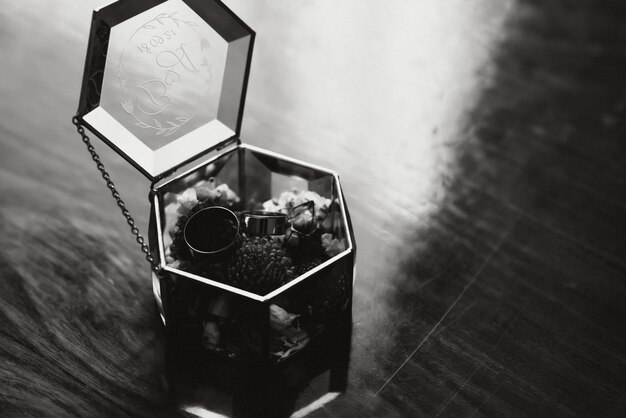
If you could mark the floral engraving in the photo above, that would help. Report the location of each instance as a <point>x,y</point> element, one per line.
<point>163,44</point>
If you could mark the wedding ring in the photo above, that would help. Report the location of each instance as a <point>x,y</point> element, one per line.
<point>262,223</point>
<point>211,232</point>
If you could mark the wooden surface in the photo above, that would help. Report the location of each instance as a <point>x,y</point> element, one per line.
<point>481,148</point>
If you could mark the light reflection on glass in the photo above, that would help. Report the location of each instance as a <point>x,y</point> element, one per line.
<point>164,73</point>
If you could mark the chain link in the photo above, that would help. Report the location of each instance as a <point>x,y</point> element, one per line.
<point>116,195</point>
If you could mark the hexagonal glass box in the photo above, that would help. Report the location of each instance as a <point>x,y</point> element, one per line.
<point>254,250</point>
<point>275,292</point>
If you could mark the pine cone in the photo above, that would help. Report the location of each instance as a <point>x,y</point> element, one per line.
<point>332,302</point>
<point>306,265</point>
<point>260,265</point>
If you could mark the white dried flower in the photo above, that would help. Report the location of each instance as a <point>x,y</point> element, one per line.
<point>333,246</point>
<point>280,319</point>
<point>187,200</point>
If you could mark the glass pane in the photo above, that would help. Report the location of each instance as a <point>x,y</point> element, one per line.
<point>310,309</point>
<point>299,221</point>
<point>202,318</point>
<point>164,73</point>
<point>169,84</point>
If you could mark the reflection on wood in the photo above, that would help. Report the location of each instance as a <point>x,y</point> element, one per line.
<point>483,162</point>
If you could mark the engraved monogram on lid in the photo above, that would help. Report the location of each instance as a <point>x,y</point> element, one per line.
<point>170,81</point>
<point>166,77</point>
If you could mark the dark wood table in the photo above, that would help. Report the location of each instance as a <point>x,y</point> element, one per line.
<point>481,148</point>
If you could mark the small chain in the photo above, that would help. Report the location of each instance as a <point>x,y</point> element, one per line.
<point>116,195</point>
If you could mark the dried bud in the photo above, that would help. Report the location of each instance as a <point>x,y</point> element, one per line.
<point>280,319</point>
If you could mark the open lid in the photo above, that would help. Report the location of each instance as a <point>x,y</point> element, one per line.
<point>165,80</point>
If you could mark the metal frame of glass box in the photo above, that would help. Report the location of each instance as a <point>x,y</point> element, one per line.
<point>337,268</point>
<point>201,153</point>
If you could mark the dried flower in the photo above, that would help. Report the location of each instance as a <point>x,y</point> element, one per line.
<point>280,319</point>
<point>333,246</point>
<point>187,201</point>
<point>260,265</point>
<point>220,195</point>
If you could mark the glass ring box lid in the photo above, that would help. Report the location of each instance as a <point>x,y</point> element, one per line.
<point>253,251</point>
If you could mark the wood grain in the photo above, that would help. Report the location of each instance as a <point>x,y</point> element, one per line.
<point>481,147</point>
